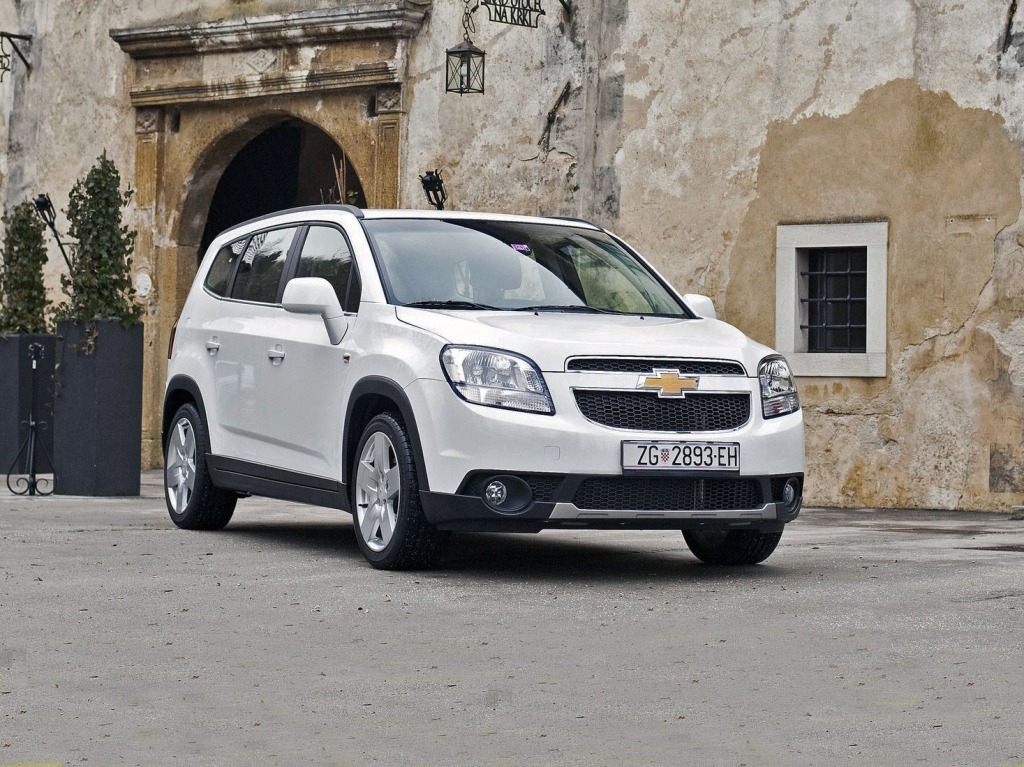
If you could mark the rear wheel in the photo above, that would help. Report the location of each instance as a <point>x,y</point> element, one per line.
<point>390,527</point>
<point>731,547</point>
<point>192,500</point>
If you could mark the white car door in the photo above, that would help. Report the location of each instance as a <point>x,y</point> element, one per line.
<point>305,376</point>
<point>237,341</point>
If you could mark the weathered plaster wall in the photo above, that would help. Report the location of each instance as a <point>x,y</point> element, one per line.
<point>947,180</point>
<point>693,128</point>
<point>74,105</point>
<point>10,85</point>
<point>516,147</point>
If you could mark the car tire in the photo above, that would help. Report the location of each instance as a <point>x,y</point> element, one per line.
<point>193,501</point>
<point>390,527</point>
<point>731,547</point>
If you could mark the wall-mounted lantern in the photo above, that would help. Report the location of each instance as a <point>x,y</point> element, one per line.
<point>433,186</point>
<point>6,38</point>
<point>465,62</point>
<point>465,69</point>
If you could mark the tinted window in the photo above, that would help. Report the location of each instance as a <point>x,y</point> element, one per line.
<point>259,273</point>
<point>326,254</point>
<point>223,264</point>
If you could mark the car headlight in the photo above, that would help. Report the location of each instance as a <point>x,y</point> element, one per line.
<point>496,378</point>
<point>778,390</point>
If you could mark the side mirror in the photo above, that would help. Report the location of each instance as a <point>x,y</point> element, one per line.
<point>315,295</point>
<point>701,306</point>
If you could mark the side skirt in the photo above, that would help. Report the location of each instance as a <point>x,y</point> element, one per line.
<point>268,481</point>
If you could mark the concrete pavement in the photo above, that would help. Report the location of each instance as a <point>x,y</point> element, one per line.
<point>869,638</point>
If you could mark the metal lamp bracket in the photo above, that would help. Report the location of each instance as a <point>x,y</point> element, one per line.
<point>6,38</point>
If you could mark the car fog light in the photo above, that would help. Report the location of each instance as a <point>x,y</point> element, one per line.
<point>496,493</point>
<point>791,495</point>
<point>506,494</point>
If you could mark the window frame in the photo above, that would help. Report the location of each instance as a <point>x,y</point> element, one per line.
<point>282,280</point>
<point>791,244</point>
<point>354,278</point>
<point>229,279</point>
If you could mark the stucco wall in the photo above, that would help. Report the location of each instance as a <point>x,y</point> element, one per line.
<point>694,128</point>
<point>74,104</point>
<point>947,181</point>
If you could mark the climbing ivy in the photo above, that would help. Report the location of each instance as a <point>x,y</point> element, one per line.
<point>23,300</point>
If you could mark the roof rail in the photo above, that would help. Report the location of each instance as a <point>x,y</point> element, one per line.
<point>355,211</point>
<point>576,219</point>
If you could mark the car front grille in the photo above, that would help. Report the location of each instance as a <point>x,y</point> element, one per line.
<point>643,365</point>
<point>646,411</point>
<point>668,494</point>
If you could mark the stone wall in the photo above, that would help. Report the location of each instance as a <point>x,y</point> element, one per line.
<point>693,128</point>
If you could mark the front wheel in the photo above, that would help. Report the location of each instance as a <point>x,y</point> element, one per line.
<point>731,547</point>
<point>390,527</point>
<point>192,500</point>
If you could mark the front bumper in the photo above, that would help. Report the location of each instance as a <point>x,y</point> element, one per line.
<point>569,501</point>
<point>459,438</point>
<point>568,469</point>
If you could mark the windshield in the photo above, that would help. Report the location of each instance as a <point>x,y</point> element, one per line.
<point>513,266</point>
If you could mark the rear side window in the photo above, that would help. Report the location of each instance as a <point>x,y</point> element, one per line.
<point>259,273</point>
<point>326,254</point>
<point>223,264</point>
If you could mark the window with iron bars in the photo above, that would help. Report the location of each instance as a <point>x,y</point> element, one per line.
<point>831,283</point>
<point>834,291</point>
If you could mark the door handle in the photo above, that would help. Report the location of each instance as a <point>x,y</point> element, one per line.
<point>275,355</point>
<point>213,346</point>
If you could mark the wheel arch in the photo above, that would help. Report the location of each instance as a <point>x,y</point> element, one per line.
<point>371,396</point>
<point>180,390</point>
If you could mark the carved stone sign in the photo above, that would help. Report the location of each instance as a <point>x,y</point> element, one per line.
<point>147,121</point>
<point>521,13</point>
<point>261,61</point>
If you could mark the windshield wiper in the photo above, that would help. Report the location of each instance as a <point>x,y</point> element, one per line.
<point>566,308</point>
<point>448,305</point>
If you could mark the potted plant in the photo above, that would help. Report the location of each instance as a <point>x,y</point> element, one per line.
<point>98,402</point>
<point>23,323</point>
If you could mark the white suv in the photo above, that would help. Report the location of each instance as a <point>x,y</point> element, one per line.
<point>433,372</point>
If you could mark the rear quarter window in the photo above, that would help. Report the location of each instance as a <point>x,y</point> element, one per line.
<point>258,276</point>
<point>223,265</point>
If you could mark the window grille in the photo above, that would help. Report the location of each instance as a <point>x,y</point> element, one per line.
<point>836,300</point>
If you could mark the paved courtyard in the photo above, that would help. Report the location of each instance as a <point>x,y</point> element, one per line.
<point>869,638</point>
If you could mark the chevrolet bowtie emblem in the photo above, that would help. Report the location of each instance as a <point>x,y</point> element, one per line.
<point>668,383</point>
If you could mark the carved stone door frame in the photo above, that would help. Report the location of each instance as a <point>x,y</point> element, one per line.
<point>202,91</point>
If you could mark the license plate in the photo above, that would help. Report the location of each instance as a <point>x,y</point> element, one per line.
<point>681,456</point>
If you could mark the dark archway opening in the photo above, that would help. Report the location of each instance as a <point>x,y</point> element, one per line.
<point>292,163</point>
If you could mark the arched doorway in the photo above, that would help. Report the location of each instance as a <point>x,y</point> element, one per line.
<point>182,181</point>
<point>288,164</point>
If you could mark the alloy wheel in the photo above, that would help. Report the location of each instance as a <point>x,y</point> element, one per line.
<point>180,471</point>
<point>378,485</point>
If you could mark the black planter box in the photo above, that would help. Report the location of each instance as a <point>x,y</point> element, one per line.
<point>16,400</point>
<point>97,435</point>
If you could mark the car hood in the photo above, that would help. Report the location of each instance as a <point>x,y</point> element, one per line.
<point>549,338</point>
